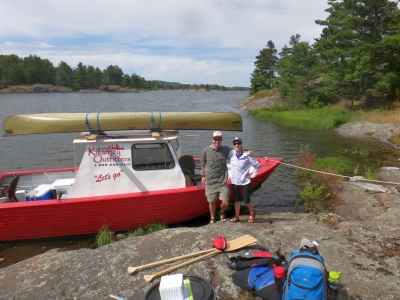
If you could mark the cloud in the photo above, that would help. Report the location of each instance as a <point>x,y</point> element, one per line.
<point>202,41</point>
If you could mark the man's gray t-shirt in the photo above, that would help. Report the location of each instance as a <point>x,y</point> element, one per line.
<point>214,163</point>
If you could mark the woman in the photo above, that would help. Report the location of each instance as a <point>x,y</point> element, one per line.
<point>241,163</point>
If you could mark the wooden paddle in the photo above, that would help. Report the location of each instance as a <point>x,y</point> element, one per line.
<point>233,245</point>
<point>132,270</point>
<point>149,278</point>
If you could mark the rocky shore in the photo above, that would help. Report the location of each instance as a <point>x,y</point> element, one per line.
<point>362,240</point>
<point>364,129</point>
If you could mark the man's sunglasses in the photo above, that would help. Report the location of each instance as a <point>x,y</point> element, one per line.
<point>237,143</point>
<point>217,140</point>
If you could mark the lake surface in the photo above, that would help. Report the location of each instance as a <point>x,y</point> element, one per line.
<point>278,194</point>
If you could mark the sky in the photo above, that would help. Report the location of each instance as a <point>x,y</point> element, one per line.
<point>185,41</point>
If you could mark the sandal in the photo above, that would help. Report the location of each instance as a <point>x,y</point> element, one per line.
<point>252,218</point>
<point>212,221</point>
<point>235,220</point>
<point>222,217</point>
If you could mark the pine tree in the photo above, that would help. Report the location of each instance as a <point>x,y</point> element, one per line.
<point>296,68</point>
<point>358,44</point>
<point>64,75</point>
<point>263,75</point>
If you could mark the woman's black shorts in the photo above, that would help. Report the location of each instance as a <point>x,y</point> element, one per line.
<point>241,193</point>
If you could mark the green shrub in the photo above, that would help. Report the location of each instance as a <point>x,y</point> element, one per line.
<point>319,186</point>
<point>156,227</point>
<point>314,103</point>
<point>368,173</point>
<point>104,236</point>
<point>356,169</point>
<point>363,152</point>
<point>306,118</point>
<point>261,94</point>
<point>137,232</point>
<point>336,165</point>
<point>313,196</point>
<point>150,229</point>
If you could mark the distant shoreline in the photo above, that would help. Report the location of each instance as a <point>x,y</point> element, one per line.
<point>49,88</point>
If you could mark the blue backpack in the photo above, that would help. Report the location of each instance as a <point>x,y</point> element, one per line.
<point>307,277</point>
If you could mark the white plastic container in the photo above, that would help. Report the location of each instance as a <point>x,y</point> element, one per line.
<point>20,195</point>
<point>172,288</point>
<point>63,187</point>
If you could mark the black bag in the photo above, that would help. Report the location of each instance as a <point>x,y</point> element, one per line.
<point>239,263</point>
<point>259,279</point>
<point>255,258</point>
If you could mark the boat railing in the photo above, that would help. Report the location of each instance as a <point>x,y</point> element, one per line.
<point>28,182</point>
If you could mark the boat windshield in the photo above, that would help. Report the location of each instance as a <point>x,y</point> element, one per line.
<point>175,144</point>
<point>152,156</point>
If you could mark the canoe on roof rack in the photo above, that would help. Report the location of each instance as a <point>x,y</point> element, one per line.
<point>109,121</point>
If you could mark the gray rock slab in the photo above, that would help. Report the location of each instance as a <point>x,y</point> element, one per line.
<point>364,129</point>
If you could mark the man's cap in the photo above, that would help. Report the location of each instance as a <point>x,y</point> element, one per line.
<point>217,134</point>
<point>236,139</point>
<point>306,242</point>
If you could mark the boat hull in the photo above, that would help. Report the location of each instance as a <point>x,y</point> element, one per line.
<point>57,218</point>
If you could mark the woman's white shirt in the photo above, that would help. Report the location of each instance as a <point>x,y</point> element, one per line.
<point>240,167</point>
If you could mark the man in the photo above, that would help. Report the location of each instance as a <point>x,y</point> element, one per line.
<point>214,173</point>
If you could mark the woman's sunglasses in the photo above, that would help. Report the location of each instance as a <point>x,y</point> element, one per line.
<point>237,143</point>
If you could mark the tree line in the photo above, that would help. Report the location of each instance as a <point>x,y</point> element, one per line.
<point>15,70</point>
<point>356,56</point>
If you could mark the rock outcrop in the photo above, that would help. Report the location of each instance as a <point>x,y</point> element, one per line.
<point>270,101</point>
<point>36,88</point>
<point>364,129</point>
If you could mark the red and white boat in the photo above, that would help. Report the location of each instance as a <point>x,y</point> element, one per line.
<point>130,175</point>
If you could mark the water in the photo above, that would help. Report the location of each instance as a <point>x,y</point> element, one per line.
<point>278,194</point>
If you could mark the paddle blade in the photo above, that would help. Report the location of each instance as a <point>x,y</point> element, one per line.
<point>240,242</point>
<point>148,278</point>
<point>132,270</point>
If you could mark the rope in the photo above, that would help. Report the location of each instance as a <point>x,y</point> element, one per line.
<point>87,122</point>
<point>159,121</point>
<point>75,155</point>
<point>338,175</point>
<point>151,121</point>
<point>97,121</point>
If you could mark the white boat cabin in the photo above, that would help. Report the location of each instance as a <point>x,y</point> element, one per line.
<point>121,162</point>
